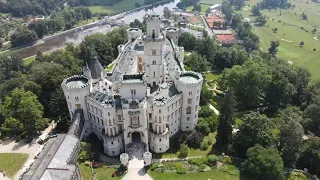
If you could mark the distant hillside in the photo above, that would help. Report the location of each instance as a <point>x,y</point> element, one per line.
<point>101,2</point>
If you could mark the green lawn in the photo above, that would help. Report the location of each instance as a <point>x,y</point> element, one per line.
<point>121,6</point>
<point>84,22</point>
<point>211,2</point>
<point>290,33</point>
<point>212,76</point>
<point>12,162</point>
<point>29,60</point>
<point>213,174</point>
<point>173,153</point>
<point>204,8</point>
<point>101,173</point>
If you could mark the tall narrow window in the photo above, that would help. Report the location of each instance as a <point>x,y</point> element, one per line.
<point>154,62</point>
<point>153,33</point>
<point>188,110</point>
<point>133,92</point>
<point>154,74</point>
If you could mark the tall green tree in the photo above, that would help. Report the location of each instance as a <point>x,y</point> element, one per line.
<point>264,164</point>
<point>312,118</point>
<point>273,47</point>
<point>290,142</point>
<point>255,10</point>
<point>197,63</point>
<point>226,121</point>
<point>309,156</point>
<point>25,107</point>
<point>255,129</point>
<point>187,40</point>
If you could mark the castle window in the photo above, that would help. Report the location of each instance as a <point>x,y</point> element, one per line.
<point>197,98</point>
<point>102,122</point>
<point>188,109</point>
<point>112,152</point>
<point>154,74</point>
<point>187,127</point>
<point>154,52</point>
<point>168,118</point>
<point>188,118</point>
<point>196,108</point>
<point>119,117</point>
<point>109,121</point>
<point>98,120</point>
<point>77,98</point>
<point>111,142</point>
<point>189,101</point>
<point>153,34</point>
<point>159,110</point>
<point>133,92</point>
<point>154,62</point>
<point>190,93</point>
<point>160,149</point>
<point>118,140</point>
<point>195,116</point>
<point>175,113</point>
<point>160,140</point>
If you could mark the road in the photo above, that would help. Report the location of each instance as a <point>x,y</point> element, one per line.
<point>11,146</point>
<point>207,28</point>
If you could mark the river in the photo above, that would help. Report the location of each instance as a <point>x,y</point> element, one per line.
<point>76,37</point>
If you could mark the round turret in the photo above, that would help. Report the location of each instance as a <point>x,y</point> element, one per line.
<point>173,33</point>
<point>133,33</point>
<point>75,89</point>
<point>190,84</point>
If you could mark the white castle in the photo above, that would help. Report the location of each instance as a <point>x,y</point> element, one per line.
<point>147,97</point>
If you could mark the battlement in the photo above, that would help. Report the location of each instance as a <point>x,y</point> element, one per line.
<point>172,29</point>
<point>76,82</point>
<point>190,78</point>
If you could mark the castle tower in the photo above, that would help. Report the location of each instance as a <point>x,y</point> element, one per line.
<point>153,41</point>
<point>75,89</point>
<point>190,84</point>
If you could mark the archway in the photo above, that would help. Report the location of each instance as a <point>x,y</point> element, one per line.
<point>136,137</point>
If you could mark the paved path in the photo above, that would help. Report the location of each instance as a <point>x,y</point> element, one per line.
<point>136,169</point>
<point>214,109</point>
<point>10,146</point>
<point>207,28</point>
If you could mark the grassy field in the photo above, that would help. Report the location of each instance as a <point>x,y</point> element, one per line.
<point>211,2</point>
<point>101,173</point>
<point>290,34</point>
<point>12,162</point>
<point>117,7</point>
<point>213,174</point>
<point>204,8</point>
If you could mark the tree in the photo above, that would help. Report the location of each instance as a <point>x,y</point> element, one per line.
<point>85,152</point>
<point>59,109</point>
<point>206,95</point>
<point>255,129</point>
<point>217,24</point>
<point>248,82</point>
<point>32,87</point>
<point>273,47</point>
<point>194,140</point>
<point>187,40</point>
<point>236,21</point>
<point>226,9</point>
<point>301,43</point>
<point>183,151</point>
<point>310,155</point>
<point>304,16</point>
<point>314,30</point>
<point>197,62</point>
<point>228,57</point>
<point>263,164</point>
<point>25,107</point>
<point>166,13</point>
<point>261,20</point>
<point>23,36</point>
<point>197,7</point>
<point>207,47</point>
<point>226,121</point>
<point>12,127</point>
<point>255,10</point>
<point>238,3</point>
<point>312,116</point>
<point>290,142</point>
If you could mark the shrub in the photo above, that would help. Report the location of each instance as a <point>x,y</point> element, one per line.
<point>169,165</point>
<point>183,151</point>
<point>297,176</point>
<point>223,168</point>
<point>314,49</point>
<point>198,161</point>
<point>180,168</point>
<point>209,141</point>
<point>87,163</point>
<point>154,166</point>
<point>228,159</point>
<point>202,167</point>
<point>159,170</point>
<point>212,159</point>
<point>195,139</point>
<point>301,43</point>
<point>204,145</point>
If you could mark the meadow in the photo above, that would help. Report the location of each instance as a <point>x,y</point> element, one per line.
<point>121,6</point>
<point>12,162</point>
<point>290,33</point>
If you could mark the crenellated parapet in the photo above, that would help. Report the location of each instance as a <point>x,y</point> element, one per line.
<point>173,33</point>
<point>189,79</point>
<point>133,33</point>
<point>76,83</point>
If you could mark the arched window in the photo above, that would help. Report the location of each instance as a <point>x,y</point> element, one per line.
<point>153,33</point>
<point>188,110</point>
<point>109,122</point>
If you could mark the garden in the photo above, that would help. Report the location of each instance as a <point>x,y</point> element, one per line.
<point>208,167</point>
<point>101,171</point>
